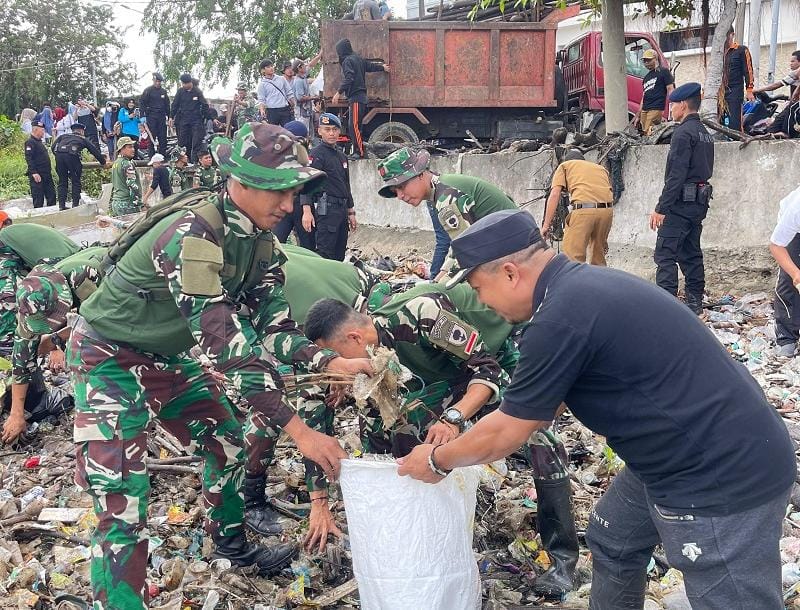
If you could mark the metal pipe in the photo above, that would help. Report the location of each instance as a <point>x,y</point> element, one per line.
<point>773,40</point>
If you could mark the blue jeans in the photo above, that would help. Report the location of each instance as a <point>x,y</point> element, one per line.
<point>442,242</point>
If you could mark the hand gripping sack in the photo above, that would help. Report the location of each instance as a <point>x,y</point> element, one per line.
<point>411,541</point>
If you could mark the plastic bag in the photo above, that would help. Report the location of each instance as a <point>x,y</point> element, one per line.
<point>411,541</point>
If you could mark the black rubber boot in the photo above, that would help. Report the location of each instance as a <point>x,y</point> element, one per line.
<point>269,559</point>
<point>258,516</point>
<point>559,538</point>
<point>695,303</point>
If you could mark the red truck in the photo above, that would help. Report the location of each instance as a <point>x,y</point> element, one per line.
<point>492,80</point>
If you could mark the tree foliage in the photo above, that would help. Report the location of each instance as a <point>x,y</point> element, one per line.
<point>219,37</point>
<point>45,58</point>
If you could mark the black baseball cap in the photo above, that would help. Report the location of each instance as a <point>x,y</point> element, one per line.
<point>186,78</point>
<point>78,126</point>
<point>158,76</point>
<point>494,236</point>
<point>37,124</point>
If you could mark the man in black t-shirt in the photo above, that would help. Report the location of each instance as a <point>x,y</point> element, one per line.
<point>656,86</point>
<point>709,463</point>
<point>160,179</point>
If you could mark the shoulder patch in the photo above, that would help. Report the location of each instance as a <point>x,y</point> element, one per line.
<point>452,334</point>
<point>451,218</point>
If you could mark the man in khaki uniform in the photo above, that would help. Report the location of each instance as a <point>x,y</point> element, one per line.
<point>589,220</point>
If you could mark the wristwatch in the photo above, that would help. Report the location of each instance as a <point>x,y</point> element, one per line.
<point>57,341</point>
<point>453,416</point>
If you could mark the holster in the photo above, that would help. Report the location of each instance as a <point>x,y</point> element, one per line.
<point>322,205</point>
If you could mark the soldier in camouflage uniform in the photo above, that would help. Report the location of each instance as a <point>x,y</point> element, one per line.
<point>457,200</point>
<point>175,287</point>
<point>206,175</point>
<point>309,278</point>
<point>178,177</point>
<point>126,188</point>
<point>463,355</point>
<point>244,105</point>
<point>22,246</point>
<point>44,298</point>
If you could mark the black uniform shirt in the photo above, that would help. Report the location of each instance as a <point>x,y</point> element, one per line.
<point>654,86</point>
<point>36,156</point>
<point>161,180</point>
<point>154,102</point>
<point>333,162</point>
<point>738,67</point>
<point>73,144</point>
<point>644,372</point>
<point>189,107</point>
<point>690,159</point>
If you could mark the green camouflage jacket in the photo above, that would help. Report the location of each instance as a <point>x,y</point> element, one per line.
<point>126,189</point>
<point>461,200</point>
<point>208,281</point>
<point>206,177</point>
<point>436,344</point>
<point>79,276</point>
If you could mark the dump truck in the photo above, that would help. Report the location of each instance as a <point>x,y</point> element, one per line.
<point>494,80</point>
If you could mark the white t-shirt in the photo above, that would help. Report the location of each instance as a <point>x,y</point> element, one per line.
<point>788,219</point>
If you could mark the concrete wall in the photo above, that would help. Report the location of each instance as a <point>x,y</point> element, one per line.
<point>748,186</point>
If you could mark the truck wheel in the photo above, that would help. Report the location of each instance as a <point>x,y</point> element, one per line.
<point>392,131</point>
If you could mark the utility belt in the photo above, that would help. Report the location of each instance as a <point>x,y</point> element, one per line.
<point>588,206</point>
<point>697,192</point>
<point>328,201</point>
<point>281,109</point>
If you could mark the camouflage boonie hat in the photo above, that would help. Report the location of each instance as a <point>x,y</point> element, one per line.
<point>44,298</point>
<point>265,157</point>
<point>124,141</point>
<point>401,166</point>
<point>242,85</point>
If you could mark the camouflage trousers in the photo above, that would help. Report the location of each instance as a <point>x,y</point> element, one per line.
<point>120,207</point>
<point>544,451</point>
<point>8,304</point>
<point>118,392</point>
<point>260,437</point>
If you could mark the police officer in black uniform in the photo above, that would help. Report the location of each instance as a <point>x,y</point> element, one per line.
<point>67,149</point>
<point>40,173</point>
<point>683,204</point>
<point>154,108</point>
<point>189,109</point>
<point>334,205</point>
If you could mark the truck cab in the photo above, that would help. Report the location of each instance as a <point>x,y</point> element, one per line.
<point>582,66</point>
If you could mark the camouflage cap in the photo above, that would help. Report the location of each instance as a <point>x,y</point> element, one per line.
<point>401,166</point>
<point>124,141</point>
<point>43,299</point>
<point>242,85</point>
<point>265,157</point>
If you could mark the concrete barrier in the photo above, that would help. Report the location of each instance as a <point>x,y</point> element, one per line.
<point>748,185</point>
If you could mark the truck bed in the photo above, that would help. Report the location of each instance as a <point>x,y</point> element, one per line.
<point>449,64</point>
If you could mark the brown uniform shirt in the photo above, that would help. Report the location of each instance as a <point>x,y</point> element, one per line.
<point>586,182</point>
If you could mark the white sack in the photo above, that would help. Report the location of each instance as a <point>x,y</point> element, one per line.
<point>411,541</point>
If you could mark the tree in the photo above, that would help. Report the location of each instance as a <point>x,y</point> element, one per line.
<point>220,36</point>
<point>44,58</point>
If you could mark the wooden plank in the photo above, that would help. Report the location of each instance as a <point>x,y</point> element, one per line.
<point>334,595</point>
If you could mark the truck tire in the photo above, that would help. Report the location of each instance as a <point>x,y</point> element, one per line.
<point>393,131</point>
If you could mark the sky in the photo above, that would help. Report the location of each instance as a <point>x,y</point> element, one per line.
<point>139,48</point>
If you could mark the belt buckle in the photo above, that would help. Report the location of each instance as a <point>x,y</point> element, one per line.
<point>144,294</point>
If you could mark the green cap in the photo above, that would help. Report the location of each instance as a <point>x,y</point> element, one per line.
<point>43,299</point>
<point>265,157</point>
<point>401,166</point>
<point>124,141</point>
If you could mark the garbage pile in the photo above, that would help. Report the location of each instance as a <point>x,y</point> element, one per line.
<point>46,521</point>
